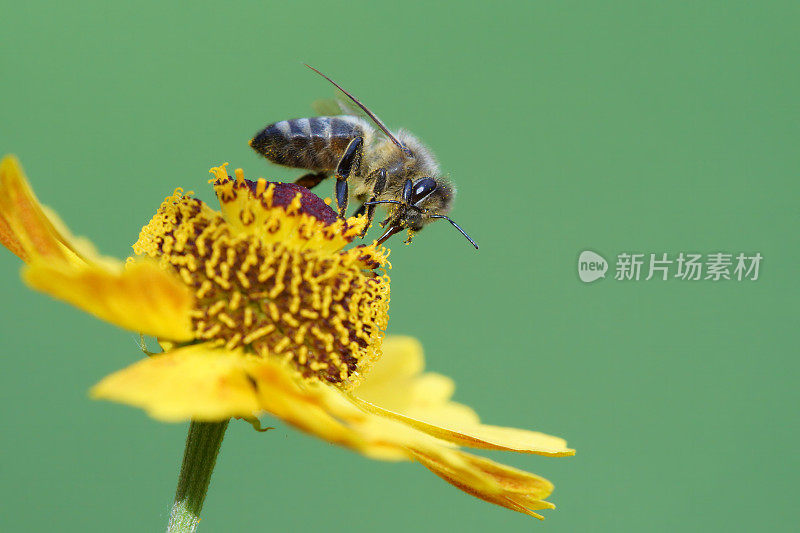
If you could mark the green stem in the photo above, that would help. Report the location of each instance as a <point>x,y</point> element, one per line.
<point>199,457</point>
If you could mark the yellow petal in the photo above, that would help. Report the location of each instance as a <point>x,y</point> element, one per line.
<point>196,382</point>
<point>317,409</point>
<point>480,435</point>
<point>402,358</point>
<point>8,238</point>
<point>396,382</point>
<point>492,482</point>
<point>511,479</point>
<point>24,226</point>
<point>140,297</point>
<point>387,432</point>
<point>398,390</point>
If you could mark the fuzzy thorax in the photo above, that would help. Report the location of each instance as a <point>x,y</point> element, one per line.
<point>270,275</point>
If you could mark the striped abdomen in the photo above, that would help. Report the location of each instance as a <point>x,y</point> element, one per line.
<point>315,143</point>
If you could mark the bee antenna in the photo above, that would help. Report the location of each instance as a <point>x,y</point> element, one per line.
<point>369,113</point>
<point>376,202</point>
<point>453,222</point>
<point>397,202</point>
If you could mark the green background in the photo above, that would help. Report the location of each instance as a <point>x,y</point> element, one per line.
<point>613,126</point>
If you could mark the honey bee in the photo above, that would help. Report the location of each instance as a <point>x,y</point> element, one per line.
<point>375,167</point>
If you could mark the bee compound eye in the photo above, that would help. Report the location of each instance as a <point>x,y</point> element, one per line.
<point>422,188</point>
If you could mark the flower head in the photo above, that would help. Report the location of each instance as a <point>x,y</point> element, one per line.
<point>269,275</point>
<point>261,308</point>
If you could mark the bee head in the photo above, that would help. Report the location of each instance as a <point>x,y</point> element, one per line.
<point>423,201</point>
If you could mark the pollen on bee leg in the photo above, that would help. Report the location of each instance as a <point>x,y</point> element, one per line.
<point>270,275</point>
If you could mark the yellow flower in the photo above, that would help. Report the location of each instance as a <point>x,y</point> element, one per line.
<point>260,308</point>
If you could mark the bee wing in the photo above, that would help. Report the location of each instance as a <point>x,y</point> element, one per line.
<point>363,112</point>
<point>329,107</point>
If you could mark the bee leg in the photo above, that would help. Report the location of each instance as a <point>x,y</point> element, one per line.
<point>311,180</point>
<point>380,183</point>
<point>350,161</point>
<point>341,196</point>
<point>385,221</point>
